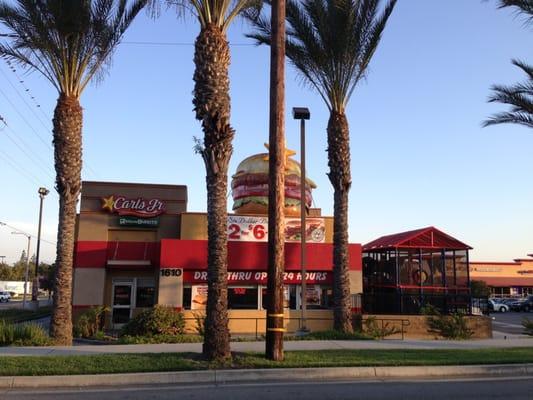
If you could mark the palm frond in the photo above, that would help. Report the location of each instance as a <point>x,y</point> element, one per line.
<point>67,41</point>
<point>522,7</point>
<point>519,97</point>
<point>330,42</point>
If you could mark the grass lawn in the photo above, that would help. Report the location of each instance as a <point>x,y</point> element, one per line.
<point>123,363</point>
<point>14,315</point>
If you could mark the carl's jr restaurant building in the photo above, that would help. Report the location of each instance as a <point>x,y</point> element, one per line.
<point>137,246</point>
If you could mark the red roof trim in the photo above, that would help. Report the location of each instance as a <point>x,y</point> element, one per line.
<point>437,240</point>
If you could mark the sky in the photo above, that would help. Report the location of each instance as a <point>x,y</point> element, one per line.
<point>419,156</point>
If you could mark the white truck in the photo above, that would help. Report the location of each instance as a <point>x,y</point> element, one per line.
<point>15,288</point>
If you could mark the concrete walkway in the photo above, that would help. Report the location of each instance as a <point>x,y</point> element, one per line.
<point>500,341</point>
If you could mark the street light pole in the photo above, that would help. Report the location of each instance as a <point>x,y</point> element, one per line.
<point>302,114</point>
<point>27,269</point>
<point>35,287</point>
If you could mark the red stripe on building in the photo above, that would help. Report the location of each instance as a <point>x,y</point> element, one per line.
<point>192,255</point>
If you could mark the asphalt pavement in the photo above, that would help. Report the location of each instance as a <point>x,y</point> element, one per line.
<point>457,389</point>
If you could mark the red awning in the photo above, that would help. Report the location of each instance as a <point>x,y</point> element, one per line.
<point>426,238</point>
<point>504,281</point>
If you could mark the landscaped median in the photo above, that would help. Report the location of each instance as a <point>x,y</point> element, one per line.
<point>164,362</point>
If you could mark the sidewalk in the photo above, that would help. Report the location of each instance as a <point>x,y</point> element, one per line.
<point>500,340</point>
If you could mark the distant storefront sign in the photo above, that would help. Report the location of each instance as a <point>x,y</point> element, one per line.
<point>135,221</point>
<point>255,229</point>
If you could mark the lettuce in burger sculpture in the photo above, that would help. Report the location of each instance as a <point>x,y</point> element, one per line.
<point>250,186</point>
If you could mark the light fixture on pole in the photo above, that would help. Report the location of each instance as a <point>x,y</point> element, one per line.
<point>302,113</point>
<point>27,269</point>
<point>35,287</point>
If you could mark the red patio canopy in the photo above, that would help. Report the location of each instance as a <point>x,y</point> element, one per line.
<point>425,238</point>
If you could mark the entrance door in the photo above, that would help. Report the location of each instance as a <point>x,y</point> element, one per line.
<point>122,303</point>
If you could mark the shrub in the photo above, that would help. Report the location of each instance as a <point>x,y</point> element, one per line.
<point>199,323</point>
<point>90,323</point>
<point>329,335</point>
<point>528,326</point>
<point>160,339</point>
<point>453,326</point>
<point>23,335</point>
<point>372,328</point>
<point>155,321</point>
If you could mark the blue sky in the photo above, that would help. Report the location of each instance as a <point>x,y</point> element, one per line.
<point>419,154</point>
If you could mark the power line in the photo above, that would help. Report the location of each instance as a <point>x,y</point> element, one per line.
<point>180,44</point>
<point>26,103</point>
<point>26,233</point>
<point>34,158</point>
<point>21,170</point>
<point>24,119</point>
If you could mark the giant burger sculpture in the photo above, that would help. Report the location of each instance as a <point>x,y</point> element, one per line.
<point>250,186</point>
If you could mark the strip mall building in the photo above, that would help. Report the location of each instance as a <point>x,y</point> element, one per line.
<point>505,279</point>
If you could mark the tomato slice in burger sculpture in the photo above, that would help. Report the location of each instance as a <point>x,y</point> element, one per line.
<point>250,193</point>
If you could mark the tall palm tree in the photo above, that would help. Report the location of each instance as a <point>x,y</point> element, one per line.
<point>68,42</point>
<point>520,95</point>
<point>331,43</point>
<point>211,102</point>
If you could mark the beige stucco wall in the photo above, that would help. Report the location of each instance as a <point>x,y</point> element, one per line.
<point>252,321</point>
<point>88,286</point>
<point>170,290</point>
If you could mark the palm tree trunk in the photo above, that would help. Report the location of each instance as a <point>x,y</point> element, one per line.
<point>212,107</point>
<point>340,177</point>
<point>68,119</point>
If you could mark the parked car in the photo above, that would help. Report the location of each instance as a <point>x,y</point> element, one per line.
<point>527,304</point>
<point>4,297</point>
<point>497,307</point>
<point>516,304</point>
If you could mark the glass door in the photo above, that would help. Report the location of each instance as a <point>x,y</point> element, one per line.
<point>122,303</point>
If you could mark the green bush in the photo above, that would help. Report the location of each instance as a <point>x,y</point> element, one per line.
<point>372,328</point>
<point>199,323</point>
<point>155,321</point>
<point>453,326</point>
<point>90,323</point>
<point>329,335</point>
<point>23,335</point>
<point>160,339</point>
<point>528,326</point>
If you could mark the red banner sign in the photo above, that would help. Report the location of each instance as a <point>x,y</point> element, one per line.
<point>139,206</point>
<point>260,277</point>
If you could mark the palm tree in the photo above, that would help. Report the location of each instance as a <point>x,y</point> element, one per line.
<point>68,42</point>
<point>211,102</point>
<point>520,95</point>
<point>331,43</point>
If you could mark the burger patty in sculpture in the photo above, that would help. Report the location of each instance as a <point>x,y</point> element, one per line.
<point>250,186</point>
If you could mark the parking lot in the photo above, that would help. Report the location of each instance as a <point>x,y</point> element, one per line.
<point>509,322</point>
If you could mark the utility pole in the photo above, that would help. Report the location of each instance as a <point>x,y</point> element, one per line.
<point>35,287</point>
<point>276,185</point>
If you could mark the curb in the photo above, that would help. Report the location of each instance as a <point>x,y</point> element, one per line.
<point>217,377</point>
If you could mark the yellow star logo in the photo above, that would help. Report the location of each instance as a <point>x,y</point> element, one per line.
<point>288,152</point>
<point>108,203</point>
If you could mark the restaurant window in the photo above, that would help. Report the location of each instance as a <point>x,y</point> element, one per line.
<point>145,293</point>
<point>242,298</point>
<point>289,297</point>
<point>187,298</point>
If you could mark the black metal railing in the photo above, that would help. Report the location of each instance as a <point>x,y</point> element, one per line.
<point>416,304</point>
<point>396,327</point>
